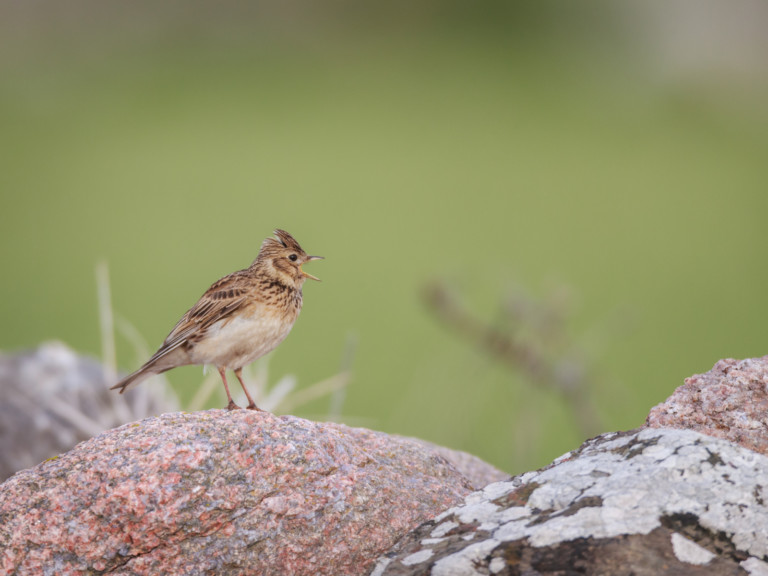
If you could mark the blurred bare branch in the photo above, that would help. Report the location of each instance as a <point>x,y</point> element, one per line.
<point>532,341</point>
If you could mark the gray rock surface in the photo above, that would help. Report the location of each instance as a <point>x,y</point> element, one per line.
<point>53,398</point>
<point>648,502</point>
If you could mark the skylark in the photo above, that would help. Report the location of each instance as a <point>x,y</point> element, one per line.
<point>240,318</point>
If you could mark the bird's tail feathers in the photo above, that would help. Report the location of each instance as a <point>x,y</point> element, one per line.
<point>137,377</point>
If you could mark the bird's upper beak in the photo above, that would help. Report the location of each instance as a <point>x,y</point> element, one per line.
<point>307,275</point>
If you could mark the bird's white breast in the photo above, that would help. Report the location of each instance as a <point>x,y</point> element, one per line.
<point>236,342</point>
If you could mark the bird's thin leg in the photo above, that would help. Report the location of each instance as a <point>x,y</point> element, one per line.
<point>252,405</point>
<point>231,405</point>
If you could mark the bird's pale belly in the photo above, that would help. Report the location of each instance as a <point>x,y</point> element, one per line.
<point>238,341</point>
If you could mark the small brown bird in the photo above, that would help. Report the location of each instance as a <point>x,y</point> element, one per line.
<point>240,318</point>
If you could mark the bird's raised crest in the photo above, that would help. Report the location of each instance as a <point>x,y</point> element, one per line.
<point>287,240</point>
<point>281,241</point>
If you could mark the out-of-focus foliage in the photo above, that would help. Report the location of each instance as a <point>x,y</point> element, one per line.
<point>615,149</point>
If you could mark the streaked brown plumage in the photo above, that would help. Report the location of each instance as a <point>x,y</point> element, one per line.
<point>240,318</point>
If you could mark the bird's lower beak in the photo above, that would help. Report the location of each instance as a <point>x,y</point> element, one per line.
<point>309,259</point>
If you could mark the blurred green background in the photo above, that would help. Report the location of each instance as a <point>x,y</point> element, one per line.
<point>610,156</point>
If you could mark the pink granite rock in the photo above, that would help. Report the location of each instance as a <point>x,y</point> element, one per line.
<point>730,401</point>
<point>477,471</point>
<point>222,493</point>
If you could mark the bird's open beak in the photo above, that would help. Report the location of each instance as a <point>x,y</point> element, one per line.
<point>306,275</point>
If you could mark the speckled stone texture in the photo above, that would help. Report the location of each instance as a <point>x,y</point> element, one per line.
<point>730,401</point>
<point>222,493</point>
<point>477,471</point>
<point>644,503</point>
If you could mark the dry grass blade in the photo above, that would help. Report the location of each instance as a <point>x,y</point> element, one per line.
<point>210,384</point>
<point>315,391</point>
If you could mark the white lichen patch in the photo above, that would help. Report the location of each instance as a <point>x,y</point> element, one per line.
<point>474,498</point>
<point>443,529</point>
<point>477,512</point>
<point>565,456</point>
<point>624,485</point>
<point>755,567</point>
<point>445,514</point>
<point>497,489</point>
<point>381,566</point>
<point>417,557</point>
<point>688,551</point>
<point>466,561</point>
<point>556,496</point>
<point>488,526</point>
<point>513,513</point>
<point>496,565</point>
<point>610,442</point>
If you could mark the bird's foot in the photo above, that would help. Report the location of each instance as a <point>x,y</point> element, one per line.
<point>233,406</point>
<point>252,406</point>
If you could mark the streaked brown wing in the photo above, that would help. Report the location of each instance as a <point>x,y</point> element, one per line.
<point>219,301</point>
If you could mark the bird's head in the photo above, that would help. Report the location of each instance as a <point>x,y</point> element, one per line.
<point>283,257</point>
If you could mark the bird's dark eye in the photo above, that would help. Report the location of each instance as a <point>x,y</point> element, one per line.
<point>293,257</point>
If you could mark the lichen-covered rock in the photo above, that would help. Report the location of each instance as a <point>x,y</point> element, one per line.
<point>730,401</point>
<point>220,492</point>
<point>649,502</point>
